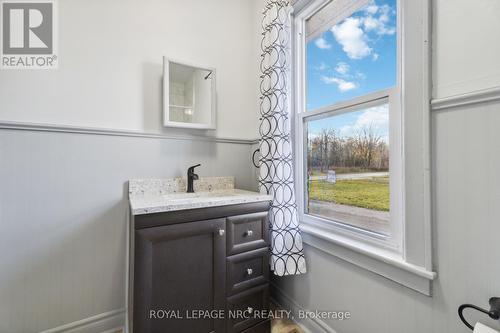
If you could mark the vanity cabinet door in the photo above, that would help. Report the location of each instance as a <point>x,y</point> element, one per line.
<point>179,268</point>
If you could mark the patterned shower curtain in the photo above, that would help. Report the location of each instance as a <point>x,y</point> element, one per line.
<point>276,165</point>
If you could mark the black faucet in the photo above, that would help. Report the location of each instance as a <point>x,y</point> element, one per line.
<point>190,177</point>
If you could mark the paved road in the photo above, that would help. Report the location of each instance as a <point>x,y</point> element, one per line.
<point>367,219</point>
<point>354,175</point>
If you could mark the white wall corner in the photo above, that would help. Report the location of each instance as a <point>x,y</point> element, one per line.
<point>308,325</point>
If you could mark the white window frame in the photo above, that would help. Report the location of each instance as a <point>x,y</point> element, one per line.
<point>405,255</point>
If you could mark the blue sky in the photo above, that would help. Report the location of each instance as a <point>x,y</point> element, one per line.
<point>355,57</point>
<point>349,124</point>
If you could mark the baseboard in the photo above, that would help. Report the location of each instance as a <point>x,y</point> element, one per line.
<point>107,322</point>
<point>120,329</point>
<point>308,325</point>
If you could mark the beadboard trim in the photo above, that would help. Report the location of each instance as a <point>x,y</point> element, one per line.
<point>308,325</point>
<point>102,322</point>
<point>40,127</point>
<point>467,99</point>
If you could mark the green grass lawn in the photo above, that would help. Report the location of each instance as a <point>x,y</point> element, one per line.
<point>341,170</point>
<point>370,193</point>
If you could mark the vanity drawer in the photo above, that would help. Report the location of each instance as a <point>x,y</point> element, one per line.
<point>247,270</point>
<point>247,232</point>
<point>251,303</point>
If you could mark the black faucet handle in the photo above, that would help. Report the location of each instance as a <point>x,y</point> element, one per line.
<point>191,169</point>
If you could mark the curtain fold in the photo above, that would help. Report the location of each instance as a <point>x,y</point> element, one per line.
<point>276,161</point>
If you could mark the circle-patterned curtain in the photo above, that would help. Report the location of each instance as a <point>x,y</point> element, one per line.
<point>276,168</point>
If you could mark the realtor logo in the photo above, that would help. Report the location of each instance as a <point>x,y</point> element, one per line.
<point>28,34</point>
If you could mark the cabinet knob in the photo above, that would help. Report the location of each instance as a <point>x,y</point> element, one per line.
<point>250,310</point>
<point>222,232</point>
<point>249,271</point>
<point>249,233</point>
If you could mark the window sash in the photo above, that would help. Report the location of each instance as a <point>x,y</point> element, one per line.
<point>390,96</point>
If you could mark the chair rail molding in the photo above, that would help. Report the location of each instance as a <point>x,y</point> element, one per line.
<point>40,127</point>
<point>466,99</point>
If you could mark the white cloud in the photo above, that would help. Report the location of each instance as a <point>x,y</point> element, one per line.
<point>347,85</point>
<point>342,85</point>
<point>380,25</point>
<point>347,131</point>
<point>387,10</point>
<point>371,9</point>
<point>376,117</point>
<point>370,23</point>
<point>352,32</point>
<point>374,56</point>
<point>352,38</point>
<point>322,44</point>
<point>322,66</point>
<point>342,68</point>
<point>360,76</point>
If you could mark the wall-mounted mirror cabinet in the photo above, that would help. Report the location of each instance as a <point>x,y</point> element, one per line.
<point>189,96</point>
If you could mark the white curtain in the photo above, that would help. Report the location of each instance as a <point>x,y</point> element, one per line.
<point>276,164</point>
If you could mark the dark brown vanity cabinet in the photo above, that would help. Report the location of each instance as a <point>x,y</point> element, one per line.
<point>200,271</point>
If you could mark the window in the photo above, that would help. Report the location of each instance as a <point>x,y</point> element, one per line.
<point>351,116</point>
<point>361,134</point>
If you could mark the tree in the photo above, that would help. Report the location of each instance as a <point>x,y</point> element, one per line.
<point>366,149</point>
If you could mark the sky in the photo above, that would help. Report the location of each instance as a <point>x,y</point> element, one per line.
<point>348,124</point>
<point>355,57</point>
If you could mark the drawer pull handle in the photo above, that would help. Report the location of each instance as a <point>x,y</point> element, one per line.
<point>222,232</point>
<point>249,233</point>
<point>249,271</point>
<point>250,310</point>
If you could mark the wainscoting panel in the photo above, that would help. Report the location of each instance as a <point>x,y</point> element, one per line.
<point>63,215</point>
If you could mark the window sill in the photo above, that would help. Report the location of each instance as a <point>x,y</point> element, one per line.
<point>376,260</point>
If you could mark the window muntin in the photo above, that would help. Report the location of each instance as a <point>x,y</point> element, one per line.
<point>348,167</point>
<point>356,56</point>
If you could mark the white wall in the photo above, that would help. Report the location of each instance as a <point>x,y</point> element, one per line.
<point>62,259</point>
<point>466,48</point>
<point>466,192</point>
<point>258,8</point>
<point>110,64</point>
<point>63,196</point>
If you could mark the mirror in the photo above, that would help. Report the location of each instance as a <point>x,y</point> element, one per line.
<point>189,95</point>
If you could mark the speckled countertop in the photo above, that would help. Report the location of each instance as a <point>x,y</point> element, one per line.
<point>163,195</point>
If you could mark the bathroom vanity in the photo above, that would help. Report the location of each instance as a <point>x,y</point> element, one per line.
<point>198,262</point>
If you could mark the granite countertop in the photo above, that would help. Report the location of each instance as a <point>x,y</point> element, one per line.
<point>148,196</point>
